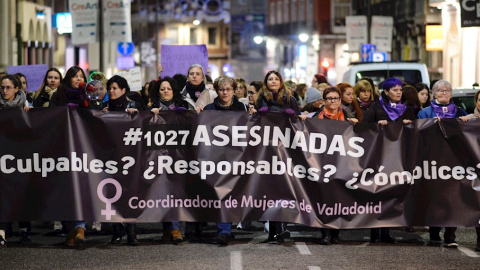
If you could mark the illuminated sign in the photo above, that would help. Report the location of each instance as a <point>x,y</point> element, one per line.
<point>63,22</point>
<point>434,37</point>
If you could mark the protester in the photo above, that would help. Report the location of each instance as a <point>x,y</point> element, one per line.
<point>442,106</point>
<point>389,108</point>
<point>241,92</point>
<point>226,100</point>
<point>411,98</point>
<point>194,91</point>
<point>12,97</point>
<point>98,80</point>
<point>301,90</point>
<point>71,93</point>
<point>349,103</point>
<point>318,79</point>
<point>364,93</point>
<point>52,80</point>
<point>314,101</point>
<point>423,94</point>
<point>275,97</point>
<point>253,89</point>
<point>475,114</point>
<point>118,101</point>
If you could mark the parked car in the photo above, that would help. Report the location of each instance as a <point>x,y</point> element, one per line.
<point>410,72</point>
<point>464,98</point>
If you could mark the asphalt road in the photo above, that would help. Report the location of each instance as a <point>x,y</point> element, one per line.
<point>249,250</point>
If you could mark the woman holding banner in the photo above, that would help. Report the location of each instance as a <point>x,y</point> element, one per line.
<point>195,92</point>
<point>442,106</point>
<point>475,114</point>
<point>225,101</point>
<point>71,93</point>
<point>118,101</point>
<point>390,107</point>
<point>12,97</point>
<point>275,97</point>
<point>167,96</point>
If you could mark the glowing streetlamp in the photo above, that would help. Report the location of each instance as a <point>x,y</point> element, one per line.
<point>258,39</point>
<point>303,37</point>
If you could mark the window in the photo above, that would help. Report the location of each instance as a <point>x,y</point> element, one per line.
<point>212,36</point>
<point>193,35</point>
<point>173,34</point>
<point>340,10</point>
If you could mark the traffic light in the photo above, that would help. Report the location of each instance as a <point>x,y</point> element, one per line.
<point>325,65</point>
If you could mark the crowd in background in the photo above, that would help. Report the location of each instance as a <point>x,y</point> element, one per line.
<point>391,101</point>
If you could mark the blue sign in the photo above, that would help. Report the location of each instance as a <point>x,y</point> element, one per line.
<point>366,52</point>
<point>125,48</point>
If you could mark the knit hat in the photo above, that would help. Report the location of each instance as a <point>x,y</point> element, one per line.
<point>312,95</point>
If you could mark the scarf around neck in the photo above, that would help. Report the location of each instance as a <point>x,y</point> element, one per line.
<point>116,104</point>
<point>444,111</point>
<point>337,115</point>
<point>393,110</point>
<point>364,104</point>
<point>18,101</point>
<point>194,90</point>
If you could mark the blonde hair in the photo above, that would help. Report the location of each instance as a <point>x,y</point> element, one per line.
<point>363,85</point>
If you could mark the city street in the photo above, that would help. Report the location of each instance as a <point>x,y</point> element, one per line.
<point>249,250</point>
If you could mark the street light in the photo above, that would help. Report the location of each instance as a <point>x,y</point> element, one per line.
<point>258,39</point>
<point>196,22</point>
<point>303,37</point>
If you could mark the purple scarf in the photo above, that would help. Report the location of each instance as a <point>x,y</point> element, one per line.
<point>393,110</point>
<point>364,104</point>
<point>444,111</point>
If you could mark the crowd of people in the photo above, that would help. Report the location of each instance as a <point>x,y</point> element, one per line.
<point>398,101</point>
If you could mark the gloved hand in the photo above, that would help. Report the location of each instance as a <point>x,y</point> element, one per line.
<point>263,110</point>
<point>289,112</point>
<point>180,110</point>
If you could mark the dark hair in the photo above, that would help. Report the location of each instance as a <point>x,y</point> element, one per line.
<point>419,87</point>
<point>20,75</point>
<point>432,83</point>
<point>390,83</point>
<point>16,82</point>
<point>257,84</point>
<point>121,82</point>
<point>331,89</point>
<point>321,78</point>
<point>181,80</point>
<point>155,90</point>
<point>209,79</point>
<point>71,72</point>
<point>411,96</point>
<point>343,87</point>
<point>281,91</point>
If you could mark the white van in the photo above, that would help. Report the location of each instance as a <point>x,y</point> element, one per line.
<point>379,71</point>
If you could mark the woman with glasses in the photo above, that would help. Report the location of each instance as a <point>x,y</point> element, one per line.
<point>252,91</point>
<point>390,107</point>
<point>332,108</point>
<point>225,101</point>
<point>442,106</point>
<point>12,97</point>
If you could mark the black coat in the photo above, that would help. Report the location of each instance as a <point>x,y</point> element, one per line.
<point>376,112</point>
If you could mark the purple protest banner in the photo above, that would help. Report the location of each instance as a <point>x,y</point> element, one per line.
<point>178,58</point>
<point>34,74</point>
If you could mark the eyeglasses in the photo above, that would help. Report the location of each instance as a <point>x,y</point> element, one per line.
<point>444,91</point>
<point>225,89</point>
<point>6,88</point>
<point>251,93</point>
<point>333,99</point>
